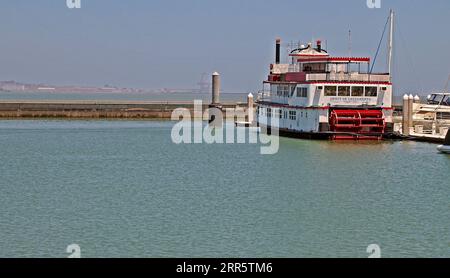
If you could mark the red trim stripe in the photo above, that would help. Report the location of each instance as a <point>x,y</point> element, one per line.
<point>331,82</point>
<point>351,82</point>
<point>336,59</point>
<point>309,55</point>
<point>274,104</point>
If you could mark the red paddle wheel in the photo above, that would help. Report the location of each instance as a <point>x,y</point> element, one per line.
<point>357,124</point>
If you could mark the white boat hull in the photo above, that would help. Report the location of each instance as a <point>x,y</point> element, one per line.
<point>444,149</point>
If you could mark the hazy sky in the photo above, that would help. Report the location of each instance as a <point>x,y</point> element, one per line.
<point>170,43</point>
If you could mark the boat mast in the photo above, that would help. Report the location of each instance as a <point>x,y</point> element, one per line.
<point>391,44</point>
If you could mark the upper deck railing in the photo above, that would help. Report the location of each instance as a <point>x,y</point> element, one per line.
<point>352,77</point>
<point>333,75</point>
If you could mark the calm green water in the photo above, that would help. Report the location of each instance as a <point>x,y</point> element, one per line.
<point>123,189</point>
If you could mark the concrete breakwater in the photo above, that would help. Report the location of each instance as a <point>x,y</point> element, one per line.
<point>98,109</point>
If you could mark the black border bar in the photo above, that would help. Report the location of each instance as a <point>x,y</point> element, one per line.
<point>223,267</point>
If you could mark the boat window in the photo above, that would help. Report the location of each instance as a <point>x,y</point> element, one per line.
<point>358,91</point>
<point>371,92</point>
<point>302,92</point>
<point>330,91</point>
<point>314,67</point>
<point>274,90</point>
<point>438,98</point>
<point>344,91</point>
<point>292,90</point>
<point>443,116</point>
<point>435,99</point>
<point>292,115</point>
<point>446,101</point>
<point>283,90</point>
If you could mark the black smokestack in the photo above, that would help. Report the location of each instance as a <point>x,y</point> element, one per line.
<point>447,139</point>
<point>277,51</point>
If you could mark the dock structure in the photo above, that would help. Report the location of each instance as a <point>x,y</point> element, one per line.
<point>98,109</point>
<point>422,121</point>
<point>432,138</point>
<point>89,109</point>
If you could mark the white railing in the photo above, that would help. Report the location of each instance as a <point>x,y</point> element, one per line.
<point>342,76</point>
<point>263,95</point>
<point>294,68</point>
<point>354,76</point>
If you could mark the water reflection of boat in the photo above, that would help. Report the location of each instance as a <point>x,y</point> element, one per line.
<point>446,147</point>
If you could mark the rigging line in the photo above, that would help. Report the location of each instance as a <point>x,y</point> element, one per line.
<point>446,84</point>
<point>379,45</point>
<point>410,58</point>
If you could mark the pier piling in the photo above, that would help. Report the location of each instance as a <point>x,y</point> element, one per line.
<point>215,111</point>
<point>250,108</point>
<point>215,88</point>
<point>405,119</point>
<point>410,111</point>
